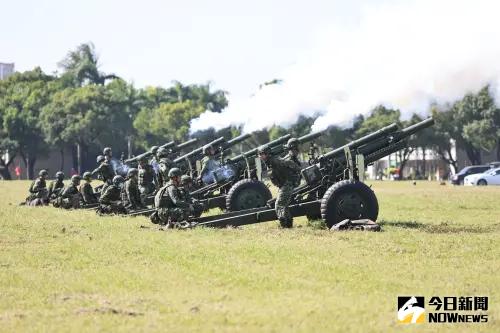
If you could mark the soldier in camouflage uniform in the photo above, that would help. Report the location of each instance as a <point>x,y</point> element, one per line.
<point>285,174</point>
<point>165,164</point>
<point>38,190</point>
<point>86,190</point>
<point>147,177</point>
<point>171,208</point>
<point>104,171</point>
<point>110,200</point>
<point>208,165</point>
<point>187,188</point>
<point>56,186</point>
<point>132,196</point>
<point>293,151</point>
<point>154,161</point>
<point>70,196</point>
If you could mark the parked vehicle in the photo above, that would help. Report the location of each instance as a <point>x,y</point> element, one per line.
<point>458,179</point>
<point>494,165</point>
<point>490,177</point>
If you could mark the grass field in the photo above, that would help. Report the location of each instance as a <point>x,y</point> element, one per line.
<point>73,271</point>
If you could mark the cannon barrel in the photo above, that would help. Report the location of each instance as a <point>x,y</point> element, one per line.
<point>361,141</point>
<point>168,145</point>
<point>253,152</point>
<point>185,144</point>
<point>195,154</point>
<point>310,137</point>
<point>238,139</point>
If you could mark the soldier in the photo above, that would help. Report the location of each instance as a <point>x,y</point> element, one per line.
<point>110,200</point>
<point>208,165</point>
<point>165,164</point>
<point>108,154</point>
<point>132,196</point>
<point>154,161</point>
<point>187,188</point>
<point>38,190</point>
<point>147,177</point>
<point>285,174</point>
<point>70,196</point>
<point>171,208</point>
<point>293,151</point>
<point>88,195</point>
<point>56,186</point>
<point>104,171</point>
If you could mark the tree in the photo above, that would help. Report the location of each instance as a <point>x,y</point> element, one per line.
<point>22,97</point>
<point>81,67</point>
<point>441,136</point>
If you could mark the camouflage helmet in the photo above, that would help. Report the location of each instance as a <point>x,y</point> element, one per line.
<point>186,179</point>
<point>43,173</point>
<point>293,143</point>
<point>264,150</point>
<point>174,172</point>
<point>162,152</point>
<point>100,159</point>
<point>132,172</point>
<point>87,175</point>
<point>107,151</point>
<point>154,149</point>
<point>75,179</point>
<point>117,180</point>
<point>60,175</point>
<point>207,148</point>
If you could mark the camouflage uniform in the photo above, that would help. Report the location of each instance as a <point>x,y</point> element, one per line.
<point>69,198</point>
<point>147,179</point>
<point>185,192</point>
<point>131,197</point>
<point>38,193</point>
<point>285,174</point>
<point>171,206</point>
<point>164,167</point>
<point>55,188</point>
<point>105,172</point>
<point>110,202</point>
<point>87,193</point>
<point>208,165</point>
<point>293,158</point>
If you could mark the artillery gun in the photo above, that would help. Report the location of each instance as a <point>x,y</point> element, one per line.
<point>334,189</point>
<point>172,146</point>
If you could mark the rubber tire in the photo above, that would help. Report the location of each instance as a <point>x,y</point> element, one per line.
<point>329,202</point>
<point>245,185</point>
<point>482,182</point>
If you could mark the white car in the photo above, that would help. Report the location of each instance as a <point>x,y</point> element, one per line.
<point>490,177</point>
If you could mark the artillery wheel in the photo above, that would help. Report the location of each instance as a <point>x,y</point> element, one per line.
<point>247,194</point>
<point>348,199</point>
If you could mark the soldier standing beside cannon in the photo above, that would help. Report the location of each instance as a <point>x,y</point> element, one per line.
<point>285,174</point>
<point>208,165</point>
<point>147,177</point>
<point>164,166</point>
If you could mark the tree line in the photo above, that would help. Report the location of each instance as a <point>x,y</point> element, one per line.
<point>83,109</point>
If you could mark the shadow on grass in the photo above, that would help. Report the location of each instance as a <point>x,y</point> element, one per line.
<point>442,228</point>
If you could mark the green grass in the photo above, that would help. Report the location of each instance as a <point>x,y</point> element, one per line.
<point>73,271</point>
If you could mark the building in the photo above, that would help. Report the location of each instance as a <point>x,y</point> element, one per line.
<point>6,70</point>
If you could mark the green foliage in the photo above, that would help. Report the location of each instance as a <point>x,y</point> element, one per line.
<point>379,117</point>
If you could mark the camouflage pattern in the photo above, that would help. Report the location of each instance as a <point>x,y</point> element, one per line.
<point>87,193</point>
<point>132,197</point>
<point>147,179</point>
<point>69,198</point>
<point>294,158</point>
<point>285,174</point>
<point>55,188</point>
<point>38,193</point>
<point>164,167</point>
<point>104,172</point>
<point>110,201</point>
<point>172,209</point>
<point>208,165</point>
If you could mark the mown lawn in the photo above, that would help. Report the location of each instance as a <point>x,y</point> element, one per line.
<point>73,271</point>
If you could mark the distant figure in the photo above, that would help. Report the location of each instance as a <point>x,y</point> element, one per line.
<point>18,172</point>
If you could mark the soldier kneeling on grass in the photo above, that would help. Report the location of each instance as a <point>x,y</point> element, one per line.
<point>70,196</point>
<point>110,200</point>
<point>187,188</point>
<point>38,191</point>
<point>172,209</point>
<point>56,186</point>
<point>86,190</point>
<point>285,174</point>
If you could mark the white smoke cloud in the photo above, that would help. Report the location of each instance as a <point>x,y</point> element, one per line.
<point>404,56</point>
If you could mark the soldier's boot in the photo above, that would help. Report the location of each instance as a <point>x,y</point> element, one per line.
<point>286,222</point>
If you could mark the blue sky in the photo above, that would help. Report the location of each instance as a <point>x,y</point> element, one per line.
<point>235,44</point>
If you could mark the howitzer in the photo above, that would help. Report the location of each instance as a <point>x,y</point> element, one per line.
<point>334,188</point>
<point>172,146</point>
